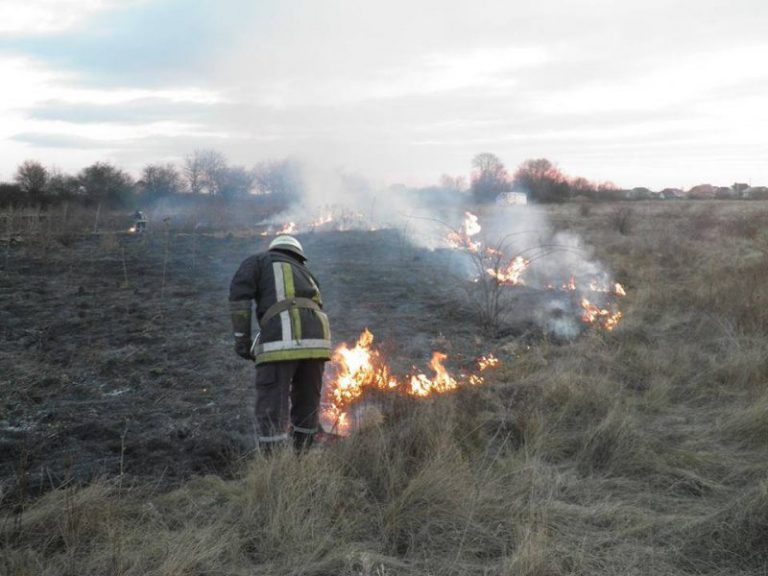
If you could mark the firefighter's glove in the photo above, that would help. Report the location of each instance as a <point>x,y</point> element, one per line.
<point>240,311</point>
<point>243,347</point>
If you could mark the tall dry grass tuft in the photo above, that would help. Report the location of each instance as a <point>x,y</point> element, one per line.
<point>615,446</point>
<point>733,537</point>
<point>748,426</point>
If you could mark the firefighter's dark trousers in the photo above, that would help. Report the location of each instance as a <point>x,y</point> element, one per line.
<point>288,393</point>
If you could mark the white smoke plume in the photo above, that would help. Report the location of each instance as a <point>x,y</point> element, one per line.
<point>550,278</point>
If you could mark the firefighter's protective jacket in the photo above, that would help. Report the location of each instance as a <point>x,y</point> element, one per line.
<point>288,308</point>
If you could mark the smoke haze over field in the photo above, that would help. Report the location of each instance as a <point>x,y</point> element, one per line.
<point>654,94</point>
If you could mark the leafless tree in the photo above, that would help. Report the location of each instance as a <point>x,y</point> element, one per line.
<point>193,173</point>
<point>489,177</point>
<point>453,183</point>
<point>235,182</point>
<point>32,177</point>
<point>282,178</point>
<point>214,165</point>
<point>204,171</point>
<point>159,180</point>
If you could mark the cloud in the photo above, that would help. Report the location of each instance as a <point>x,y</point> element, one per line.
<point>664,82</point>
<point>486,68</point>
<point>398,90</point>
<point>136,111</point>
<point>42,140</point>
<point>38,17</point>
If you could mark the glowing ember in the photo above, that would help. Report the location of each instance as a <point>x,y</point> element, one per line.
<point>510,275</point>
<point>361,368</point>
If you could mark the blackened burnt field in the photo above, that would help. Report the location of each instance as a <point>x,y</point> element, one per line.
<point>117,350</point>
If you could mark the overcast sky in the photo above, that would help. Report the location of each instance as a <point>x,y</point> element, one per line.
<point>652,92</point>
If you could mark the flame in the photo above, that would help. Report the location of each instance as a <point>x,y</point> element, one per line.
<point>486,362</point>
<point>592,314</point>
<point>289,228</point>
<point>512,273</point>
<point>362,368</point>
<point>132,230</point>
<point>322,220</point>
<point>471,225</point>
<point>442,381</point>
<point>462,238</point>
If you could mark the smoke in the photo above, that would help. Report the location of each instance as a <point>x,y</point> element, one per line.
<point>548,277</point>
<point>337,199</point>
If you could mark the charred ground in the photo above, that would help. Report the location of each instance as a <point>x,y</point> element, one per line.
<point>117,351</point>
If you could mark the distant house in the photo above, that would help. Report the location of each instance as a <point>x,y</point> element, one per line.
<point>638,193</point>
<point>740,188</point>
<point>756,193</point>
<point>702,192</point>
<point>726,193</point>
<point>512,198</point>
<point>672,194</point>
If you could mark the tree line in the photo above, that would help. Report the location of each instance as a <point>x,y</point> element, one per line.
<point>539,179</point>
<point>204,172</point>
<point>543,182</point>
<point>208,173</point>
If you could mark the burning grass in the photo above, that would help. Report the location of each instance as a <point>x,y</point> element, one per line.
<point>356,370</point>
<point>499,267</point>
<point>640,450</point>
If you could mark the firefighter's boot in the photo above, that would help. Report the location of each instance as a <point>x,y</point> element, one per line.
<point>302,441</point>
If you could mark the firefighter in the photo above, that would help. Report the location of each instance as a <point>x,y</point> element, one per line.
<point>292,347</point>
<point>140,222</point>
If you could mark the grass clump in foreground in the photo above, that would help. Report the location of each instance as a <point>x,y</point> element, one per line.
<point>642,451</point>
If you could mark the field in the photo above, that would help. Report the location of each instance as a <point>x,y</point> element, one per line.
<point>126,442</point>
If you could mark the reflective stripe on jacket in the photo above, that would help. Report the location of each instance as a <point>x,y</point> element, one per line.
<point>295,333</point>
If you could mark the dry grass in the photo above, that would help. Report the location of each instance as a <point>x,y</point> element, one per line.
<point>643,451</point>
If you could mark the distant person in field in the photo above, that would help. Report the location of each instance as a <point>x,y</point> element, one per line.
<point>294,343</point>
<point>139,222</point>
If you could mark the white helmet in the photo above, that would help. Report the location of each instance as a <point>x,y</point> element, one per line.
<point>289,243</point>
